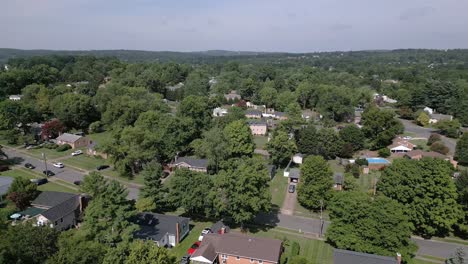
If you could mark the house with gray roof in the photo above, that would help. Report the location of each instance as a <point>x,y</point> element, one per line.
<point>232,96</point>
<point>252,113</point>
<point>164,230</point>
<point>75,141</point>
<point>341,256</point>
<point>237,248</point>
<point>193,164</point>
<point>58,210</point>
<point>294,175</point>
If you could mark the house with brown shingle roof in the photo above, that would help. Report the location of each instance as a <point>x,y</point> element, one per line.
<point>230,248</point>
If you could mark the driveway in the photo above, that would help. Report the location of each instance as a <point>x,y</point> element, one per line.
<point>66,174</point>
<point>289,203</point>
<point>424,132</point>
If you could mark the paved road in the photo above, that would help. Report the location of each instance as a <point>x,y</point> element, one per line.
<point>436,248</point>
<point>426,132</point>
<point>66,174</point>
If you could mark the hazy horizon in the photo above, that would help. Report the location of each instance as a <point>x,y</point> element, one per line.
<point>295,26</point>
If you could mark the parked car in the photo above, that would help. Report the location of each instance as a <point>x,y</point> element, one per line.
<point>77,182</point>
<point>58,164</point>
<point>193,248</point>
<point>48,173</point>
<point>407,138</point>
<point>77,152</point>
<point>39,181</point>
<point>204,232</point>
<point>102,167</point>
<point>29,166</point>
<point>292,188</point>
<point>185,259</point>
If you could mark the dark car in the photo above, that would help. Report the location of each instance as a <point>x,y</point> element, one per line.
<point>102,167</point>
<point>39,181</point>
<point>292,188</point>
<point>29,166</point>
<point>77,182</point>
<point>48,173</point>
<point>185,259</point>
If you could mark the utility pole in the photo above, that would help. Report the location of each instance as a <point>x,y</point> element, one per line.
<point>45,164</point>
<point>321,217</point>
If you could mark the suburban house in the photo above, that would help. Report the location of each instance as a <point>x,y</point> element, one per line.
<point>15,97</point>
<point>58,210</point>
<point>341,256</point>
<point>401,146</point>
<point>92,151</point>
<point>253,114</point>
<point>75,141</point>
<point>280,115</point>
<point>218,111</point>
<point>428,110</point>
<point>164,230</point>
<point>258,127</point>
<point>435,118</point>
<point>419,154</point>
<point>193,164</point>
<point>229,248</point>
<point>298,158</point>
<point>232,96</point>
<point>338,180</point>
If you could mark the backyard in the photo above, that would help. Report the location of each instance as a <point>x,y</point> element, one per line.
<point>278,188</point>
<point>260,141</point>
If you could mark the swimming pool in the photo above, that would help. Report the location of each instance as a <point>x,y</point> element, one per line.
<point>377,160</point>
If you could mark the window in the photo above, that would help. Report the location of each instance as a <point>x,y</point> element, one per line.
<point>61,220</point>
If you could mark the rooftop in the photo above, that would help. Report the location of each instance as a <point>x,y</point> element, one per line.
<point>294,173</point>
<point>67,137</point>
<point>194,162</point>
<point>5,183</point>
<point>51,199</point>
<point>156,226</point>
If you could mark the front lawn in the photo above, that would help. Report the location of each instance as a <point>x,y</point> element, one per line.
<point>85,162</point>
<point>54,187</point>
<point>278,188</point>
<point>50,153</point>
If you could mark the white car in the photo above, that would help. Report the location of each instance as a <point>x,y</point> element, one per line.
<point>204,232</point>
<point>58,165</point>
<point>407,138</point>
<point>77,152</point>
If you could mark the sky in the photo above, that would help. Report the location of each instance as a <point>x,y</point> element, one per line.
<point>246,25</point>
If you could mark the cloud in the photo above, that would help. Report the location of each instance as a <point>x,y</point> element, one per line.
<point>413,13</point>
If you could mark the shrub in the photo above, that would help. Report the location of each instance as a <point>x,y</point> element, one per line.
<point>384,152</point>
<point>50,145</point>
<point>362,162</point>
<point>440,148</point>
<point>96,127</point>
<point>64,147</point>
<point>355,171</point>
<point>295,249</point>
<point>433,138</point>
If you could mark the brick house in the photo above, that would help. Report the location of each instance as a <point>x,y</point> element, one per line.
<point>74,141</point>
<point>258,127</point>
<point>230,248</point>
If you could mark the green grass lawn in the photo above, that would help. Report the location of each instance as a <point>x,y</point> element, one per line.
<point>99,137</point>
<point>316,251</point>
<point>181,249</point>
<point>278,188</point>
<point>366,181</point>
<point>335,166</point>
<point>50,153</point>
<point>85,162</point>
<point>302,211</point>
<point>52,186</point>
<point>422,143</point>
<point>260,141</point>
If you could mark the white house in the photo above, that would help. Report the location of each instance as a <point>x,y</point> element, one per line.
<point>298,158</point>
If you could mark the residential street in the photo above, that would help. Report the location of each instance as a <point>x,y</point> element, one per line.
<point>66,174</point>
<point>426,132</point>
<point>309,226</point>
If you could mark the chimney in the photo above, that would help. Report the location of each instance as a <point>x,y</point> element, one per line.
<point>177,233</point>
<point>398,258</point>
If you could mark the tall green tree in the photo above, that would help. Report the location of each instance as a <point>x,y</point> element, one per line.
<point>461,183</point>
<point>377,226</point>
<point>22,192</point>
<point>74,248</point>
<point>315,186</point>
<point>108,216</point>
<point>329,144</point>
<point>380,127</point>
<point>196,108</point>
<point>461,150</point>
<point>307,140</point>
<point>239,139</point>
<point>139,252</point>
<point>281,147</point>
<point>153,188</point>
<point>353,135</point>
<point>74,110</point>
<point>426,190</point>
<point>213,146</point>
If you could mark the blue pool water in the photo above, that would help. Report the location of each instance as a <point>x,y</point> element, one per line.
<point>378,160</point>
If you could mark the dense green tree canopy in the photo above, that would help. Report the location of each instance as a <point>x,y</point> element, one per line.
<point>380,127</point>
<point>316,181</point>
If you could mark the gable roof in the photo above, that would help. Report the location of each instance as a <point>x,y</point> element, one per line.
<point>67,137</point>
<point>430,154</point>
<point>51,199</point>
<point>352,257</point>
<point>266,249</point>
<point>257,123</point>
<point>62,209</point>
<point>156,226</point>
<point>294,173</point>
<point>199,163</point>
<point>253,112</point>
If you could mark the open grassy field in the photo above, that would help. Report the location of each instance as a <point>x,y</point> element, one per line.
<point>99,137</point>
<point>278,188</point>
<point>260,141</point>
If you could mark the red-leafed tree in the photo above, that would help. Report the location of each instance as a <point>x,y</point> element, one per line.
<point>52,129</point>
